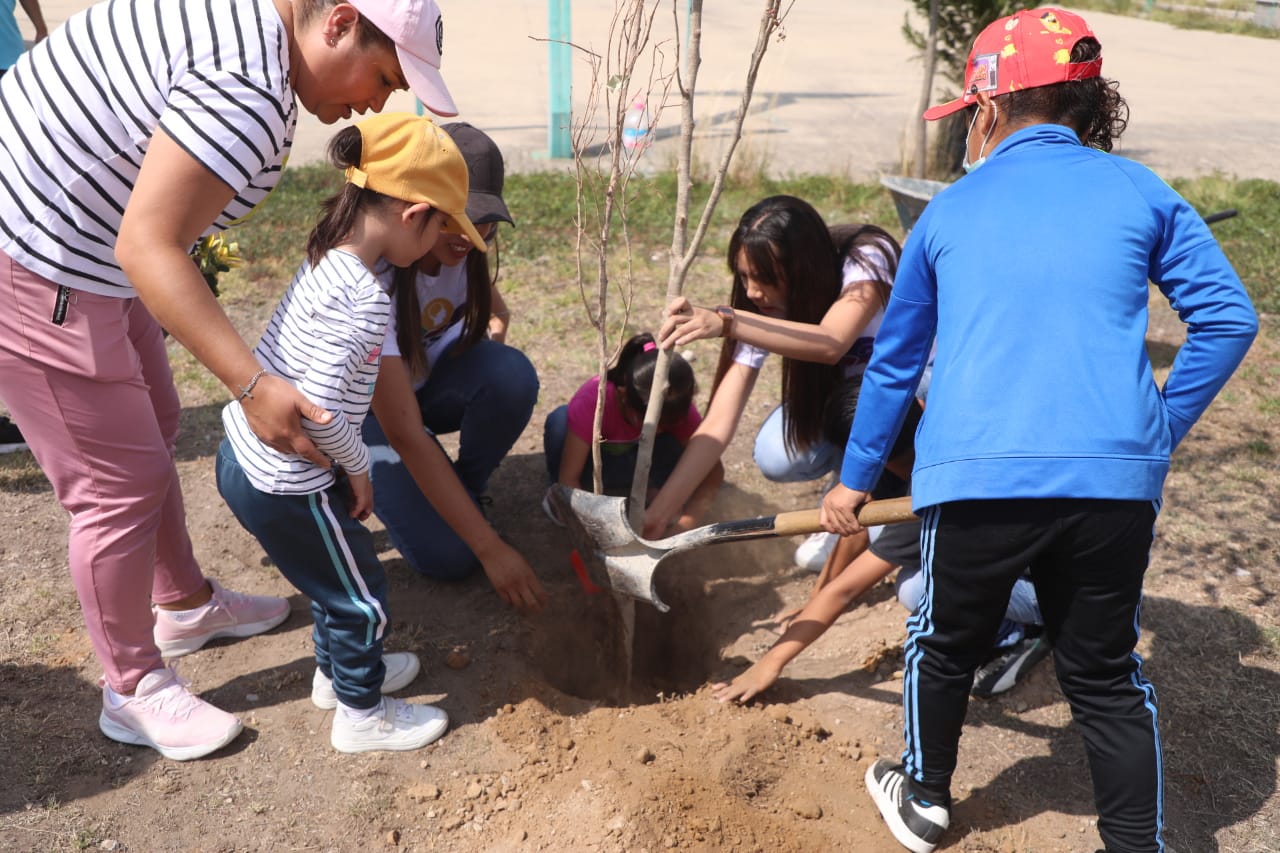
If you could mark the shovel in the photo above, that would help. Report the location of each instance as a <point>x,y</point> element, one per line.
<point>616,557</point>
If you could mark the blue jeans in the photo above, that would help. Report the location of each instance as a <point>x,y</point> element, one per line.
<point>619,468</point>
<point>781,465</point>
<point>487,393</point>
<point>1023,609</point>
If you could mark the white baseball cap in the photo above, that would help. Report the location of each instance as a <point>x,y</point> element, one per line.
<point>416,28</point>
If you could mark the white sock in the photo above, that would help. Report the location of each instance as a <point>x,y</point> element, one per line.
<point>114,699</point>
<point>357,715</point>
<point>191,615</point>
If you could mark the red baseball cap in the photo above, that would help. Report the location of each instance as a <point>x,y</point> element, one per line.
<point>418,32</point>
<point>1022,51</point>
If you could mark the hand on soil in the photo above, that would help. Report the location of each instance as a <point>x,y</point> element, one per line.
<point>751,683</point>
<point>515,581</point>
<point>780,623</point>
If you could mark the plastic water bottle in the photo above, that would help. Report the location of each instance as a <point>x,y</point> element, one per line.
<point>636,132</point>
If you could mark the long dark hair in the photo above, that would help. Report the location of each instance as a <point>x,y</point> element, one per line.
<point>785,241</point>
<point>339,211</point>
<point>632,375</point>
<point>874,249</point>
<point>842,407</point>
<point>475,323</point>
<point>1093,108</point>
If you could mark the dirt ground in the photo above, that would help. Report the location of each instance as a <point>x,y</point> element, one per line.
<point>546,751</point>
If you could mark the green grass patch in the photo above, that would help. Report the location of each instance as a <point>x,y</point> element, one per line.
<point>1269,406</point>
<point>1226,16</point>
<point>1252,239</point>
<point>20,473</point>
<point>541,249</point>
<point>273,240</point>
<point>1260,449</point>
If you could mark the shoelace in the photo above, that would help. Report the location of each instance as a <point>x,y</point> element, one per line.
<point>173,698</point>
<point>228,598</point>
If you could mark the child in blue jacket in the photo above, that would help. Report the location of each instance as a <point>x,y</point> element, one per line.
<point>1046,440</point>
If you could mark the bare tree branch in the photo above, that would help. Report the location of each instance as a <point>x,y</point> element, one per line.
<point>683,250</point>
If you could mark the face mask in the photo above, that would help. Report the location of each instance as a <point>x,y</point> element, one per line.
<point>965,164</point>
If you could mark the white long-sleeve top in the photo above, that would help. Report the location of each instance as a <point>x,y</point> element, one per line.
<point>325,338</point>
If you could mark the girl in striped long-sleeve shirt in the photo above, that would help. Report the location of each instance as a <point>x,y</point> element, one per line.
<point>405,179</point>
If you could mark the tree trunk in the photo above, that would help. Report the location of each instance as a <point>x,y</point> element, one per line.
<point>921,164</point>
<point>683,251</point>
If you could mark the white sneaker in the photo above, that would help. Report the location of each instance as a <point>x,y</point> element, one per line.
<point>396,725</point>
<point>917,825</point>
<point>164,715</point>
<point>402,667</point>
<point>812,553</point>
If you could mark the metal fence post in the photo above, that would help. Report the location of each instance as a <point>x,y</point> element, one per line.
<point>560,78</point>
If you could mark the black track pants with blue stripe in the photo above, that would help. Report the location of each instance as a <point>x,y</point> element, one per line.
<point>330,557</point>
<point>1087,560</point>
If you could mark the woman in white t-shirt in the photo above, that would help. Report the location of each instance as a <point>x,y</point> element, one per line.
<point>796,293</point>
<point>129,132</point>
<point>445,369</point>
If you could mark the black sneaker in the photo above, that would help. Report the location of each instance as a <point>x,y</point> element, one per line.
<point>915,823</point>
<point>10,437</point>
<point>1009,666</point>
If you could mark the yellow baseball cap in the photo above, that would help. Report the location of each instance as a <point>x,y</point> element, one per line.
<point>406,156</point>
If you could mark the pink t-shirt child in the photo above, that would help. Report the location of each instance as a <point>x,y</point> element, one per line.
<point>617,434</point>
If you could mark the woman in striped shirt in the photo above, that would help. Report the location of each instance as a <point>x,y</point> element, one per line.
<point>124,136</point>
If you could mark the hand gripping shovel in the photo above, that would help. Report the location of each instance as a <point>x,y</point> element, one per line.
<point>616,557</point>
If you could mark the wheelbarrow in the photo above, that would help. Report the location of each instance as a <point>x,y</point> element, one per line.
<point>616,557</point>
<point>910,196</point>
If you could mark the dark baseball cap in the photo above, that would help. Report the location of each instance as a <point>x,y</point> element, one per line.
<point>484,165</point>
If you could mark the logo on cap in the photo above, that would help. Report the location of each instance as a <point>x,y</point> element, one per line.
<point>1052,24</point>
<point>440,35</point>
<point>984,73</point>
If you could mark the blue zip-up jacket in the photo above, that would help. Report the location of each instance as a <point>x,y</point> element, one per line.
<point>1033,271</point>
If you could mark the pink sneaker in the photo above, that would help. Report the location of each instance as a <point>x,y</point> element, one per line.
<point>163,715</point>
<point>228,614</point>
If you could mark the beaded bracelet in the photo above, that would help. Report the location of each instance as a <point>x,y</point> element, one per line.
<point>247,390</point>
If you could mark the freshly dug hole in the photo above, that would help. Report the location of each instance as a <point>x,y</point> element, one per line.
<point>714,594</point>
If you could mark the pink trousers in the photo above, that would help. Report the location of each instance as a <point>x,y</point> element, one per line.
<point>95,400</point>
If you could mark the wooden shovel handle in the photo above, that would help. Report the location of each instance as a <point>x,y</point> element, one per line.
<point>891,511</point>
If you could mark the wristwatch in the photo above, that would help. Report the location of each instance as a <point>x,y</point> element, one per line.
<point>727,317</point>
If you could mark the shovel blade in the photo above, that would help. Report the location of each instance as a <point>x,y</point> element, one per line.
<point>613,554</point>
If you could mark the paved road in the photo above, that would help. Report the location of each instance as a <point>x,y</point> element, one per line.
<point>837,94</point>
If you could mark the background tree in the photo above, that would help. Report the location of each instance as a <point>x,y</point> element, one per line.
<point>958,24</point>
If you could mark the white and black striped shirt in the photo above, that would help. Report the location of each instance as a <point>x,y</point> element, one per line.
<point>325,338</point>
<point>77,113</point>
